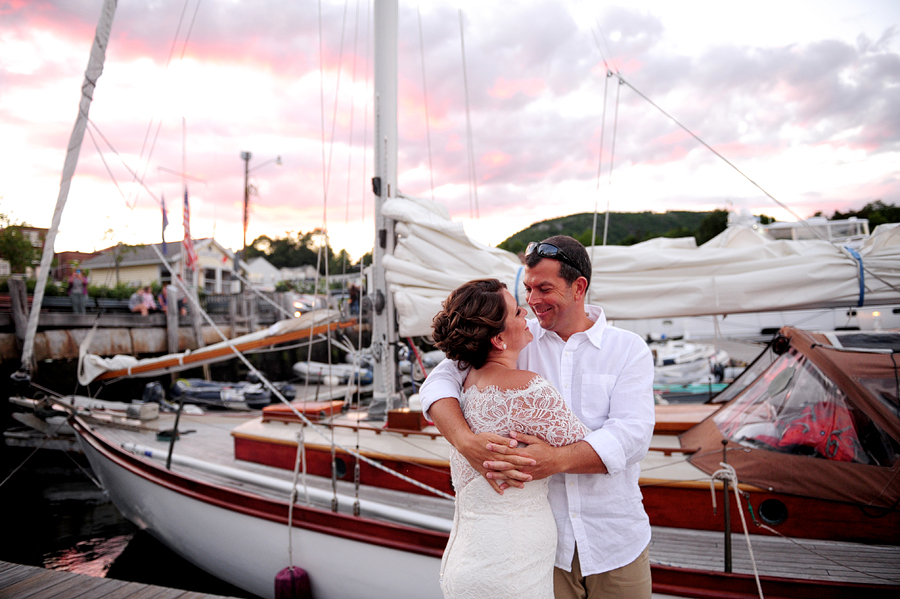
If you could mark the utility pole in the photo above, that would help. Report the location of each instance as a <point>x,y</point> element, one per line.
<point>245,156</point>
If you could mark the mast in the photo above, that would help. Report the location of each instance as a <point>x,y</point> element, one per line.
<point>384,185</point>
<point>91,74</point>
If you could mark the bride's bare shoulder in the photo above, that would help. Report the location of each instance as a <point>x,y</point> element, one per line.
<point>515,379</point>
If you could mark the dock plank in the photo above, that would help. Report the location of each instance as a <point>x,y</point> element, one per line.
<point>30,582</point>
<point>800,558</point>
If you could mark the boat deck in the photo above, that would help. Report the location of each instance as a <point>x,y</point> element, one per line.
<point>210,440</point>
<point>782,557</point>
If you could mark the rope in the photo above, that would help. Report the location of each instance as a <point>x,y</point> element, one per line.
<point>862,275</point>
<point>277,393</point>
<point>727,473</point>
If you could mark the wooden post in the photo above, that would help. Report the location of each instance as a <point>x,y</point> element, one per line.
<point>197,326</point>
<point>19,297</point>
<point>172,318</point>
<point>253,313</point>
<point>232,314</point>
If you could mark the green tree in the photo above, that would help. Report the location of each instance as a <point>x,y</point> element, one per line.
<point>301,249</point>
<point>14,246</point>
<point>712,225</point>
<point>877,212</point>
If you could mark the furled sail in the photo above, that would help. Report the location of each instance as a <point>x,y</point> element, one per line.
<point>91,74</point>
<point>740,270</point>
<point>92,367</point>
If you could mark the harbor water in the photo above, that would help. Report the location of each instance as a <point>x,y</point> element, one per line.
<point>56,517</point>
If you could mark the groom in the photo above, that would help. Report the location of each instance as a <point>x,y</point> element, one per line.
<point>605,375</point>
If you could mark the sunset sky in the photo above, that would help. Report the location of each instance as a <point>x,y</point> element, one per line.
<point>802,96</point>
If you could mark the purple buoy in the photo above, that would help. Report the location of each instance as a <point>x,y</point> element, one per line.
<point>292,583</point>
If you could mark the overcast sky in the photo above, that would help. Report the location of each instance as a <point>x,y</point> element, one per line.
<point>803,97</point>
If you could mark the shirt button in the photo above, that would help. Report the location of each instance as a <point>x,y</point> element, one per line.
<point>574,515</point>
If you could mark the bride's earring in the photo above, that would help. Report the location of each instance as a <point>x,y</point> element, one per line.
<point>504,346</point>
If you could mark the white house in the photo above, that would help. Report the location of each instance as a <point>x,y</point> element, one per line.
<point>262,274</point>
<point>140,265</point>
<point>307,272</point>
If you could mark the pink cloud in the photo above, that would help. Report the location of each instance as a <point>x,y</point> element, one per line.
<point>495,159</point>
<point>505,88</point>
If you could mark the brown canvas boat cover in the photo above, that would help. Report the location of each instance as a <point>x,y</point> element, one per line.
<point>819,421</point>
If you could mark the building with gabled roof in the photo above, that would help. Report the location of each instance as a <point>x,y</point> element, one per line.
<point>140,265</point>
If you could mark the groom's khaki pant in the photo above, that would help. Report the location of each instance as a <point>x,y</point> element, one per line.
<point>631,581</point>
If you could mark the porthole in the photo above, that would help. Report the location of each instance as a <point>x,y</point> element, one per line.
<point>773,512</point>
<point>339,467</point>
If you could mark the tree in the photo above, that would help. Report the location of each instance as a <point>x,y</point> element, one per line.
<point>877,212</point>
<point>299,249</point>
<point>119,251</point>
<point>14,246</point>
<point>712,225</point>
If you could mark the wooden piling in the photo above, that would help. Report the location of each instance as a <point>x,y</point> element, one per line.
<point>18,296</point>
<point>172,318</point>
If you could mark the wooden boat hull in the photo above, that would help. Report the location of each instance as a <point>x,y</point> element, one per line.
<point>242,538</point>
<point>688,505</point>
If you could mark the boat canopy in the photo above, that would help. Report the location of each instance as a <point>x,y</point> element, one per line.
<point>740,270</point>
<point>812,417</point>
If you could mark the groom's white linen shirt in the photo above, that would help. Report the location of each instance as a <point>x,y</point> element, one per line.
<point>605,375</point>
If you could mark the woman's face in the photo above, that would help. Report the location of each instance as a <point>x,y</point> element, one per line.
<point>515,334</point>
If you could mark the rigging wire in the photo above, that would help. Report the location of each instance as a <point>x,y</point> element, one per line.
<point>473,178</point>
<point>326,164</point>
<point>187,37</point>
<point>350,140</point>
<point>124,164</point>
<point>817,233</point>
<point>599,164</point>
<point>623,81</point>
<point>425,103</point>
<point>612,158</point>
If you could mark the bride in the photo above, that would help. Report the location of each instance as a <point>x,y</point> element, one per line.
<point>500,545</point>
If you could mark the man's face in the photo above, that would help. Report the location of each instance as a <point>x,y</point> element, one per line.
<point>550,297</point>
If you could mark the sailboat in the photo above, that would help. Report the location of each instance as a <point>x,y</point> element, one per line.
<point>246,521</point>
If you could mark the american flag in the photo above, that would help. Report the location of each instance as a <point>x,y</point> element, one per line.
<point>190,256</point>
<point>165,223</point>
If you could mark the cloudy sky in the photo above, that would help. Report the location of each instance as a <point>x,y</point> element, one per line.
<point>802,96</point>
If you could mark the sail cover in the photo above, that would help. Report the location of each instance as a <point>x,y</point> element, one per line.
<point>816,419</point>
<point>741,270</point>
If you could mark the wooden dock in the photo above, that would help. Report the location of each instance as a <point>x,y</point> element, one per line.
<point>39,583</point>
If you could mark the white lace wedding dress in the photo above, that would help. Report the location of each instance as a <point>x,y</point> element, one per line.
<point>503,546</point>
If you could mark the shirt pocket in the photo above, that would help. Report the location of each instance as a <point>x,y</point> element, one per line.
<point>596,390</point>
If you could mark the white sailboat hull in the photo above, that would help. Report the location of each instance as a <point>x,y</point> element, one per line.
<point>248,549</point>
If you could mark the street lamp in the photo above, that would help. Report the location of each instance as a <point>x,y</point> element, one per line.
<point>245,156</point>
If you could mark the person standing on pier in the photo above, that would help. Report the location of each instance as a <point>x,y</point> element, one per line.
<point>78,290</point>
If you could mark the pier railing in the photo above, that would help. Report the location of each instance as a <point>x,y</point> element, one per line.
<point>60,330</point>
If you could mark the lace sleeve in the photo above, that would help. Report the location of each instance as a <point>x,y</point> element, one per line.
<point>543,412</point>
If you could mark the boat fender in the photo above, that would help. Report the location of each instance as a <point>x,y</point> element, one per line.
<point>292,583</point>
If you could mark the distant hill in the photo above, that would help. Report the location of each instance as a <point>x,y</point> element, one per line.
<point>628,228</point>
<point>625,228</point>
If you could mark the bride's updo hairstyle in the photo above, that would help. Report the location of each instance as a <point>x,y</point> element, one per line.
<point>472,315</point>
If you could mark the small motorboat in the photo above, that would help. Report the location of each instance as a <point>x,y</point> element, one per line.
<point>240,395</point>
<point>333,374</point>
<point>679,362</point>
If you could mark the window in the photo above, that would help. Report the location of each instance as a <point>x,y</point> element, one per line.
<point>793,408</point>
